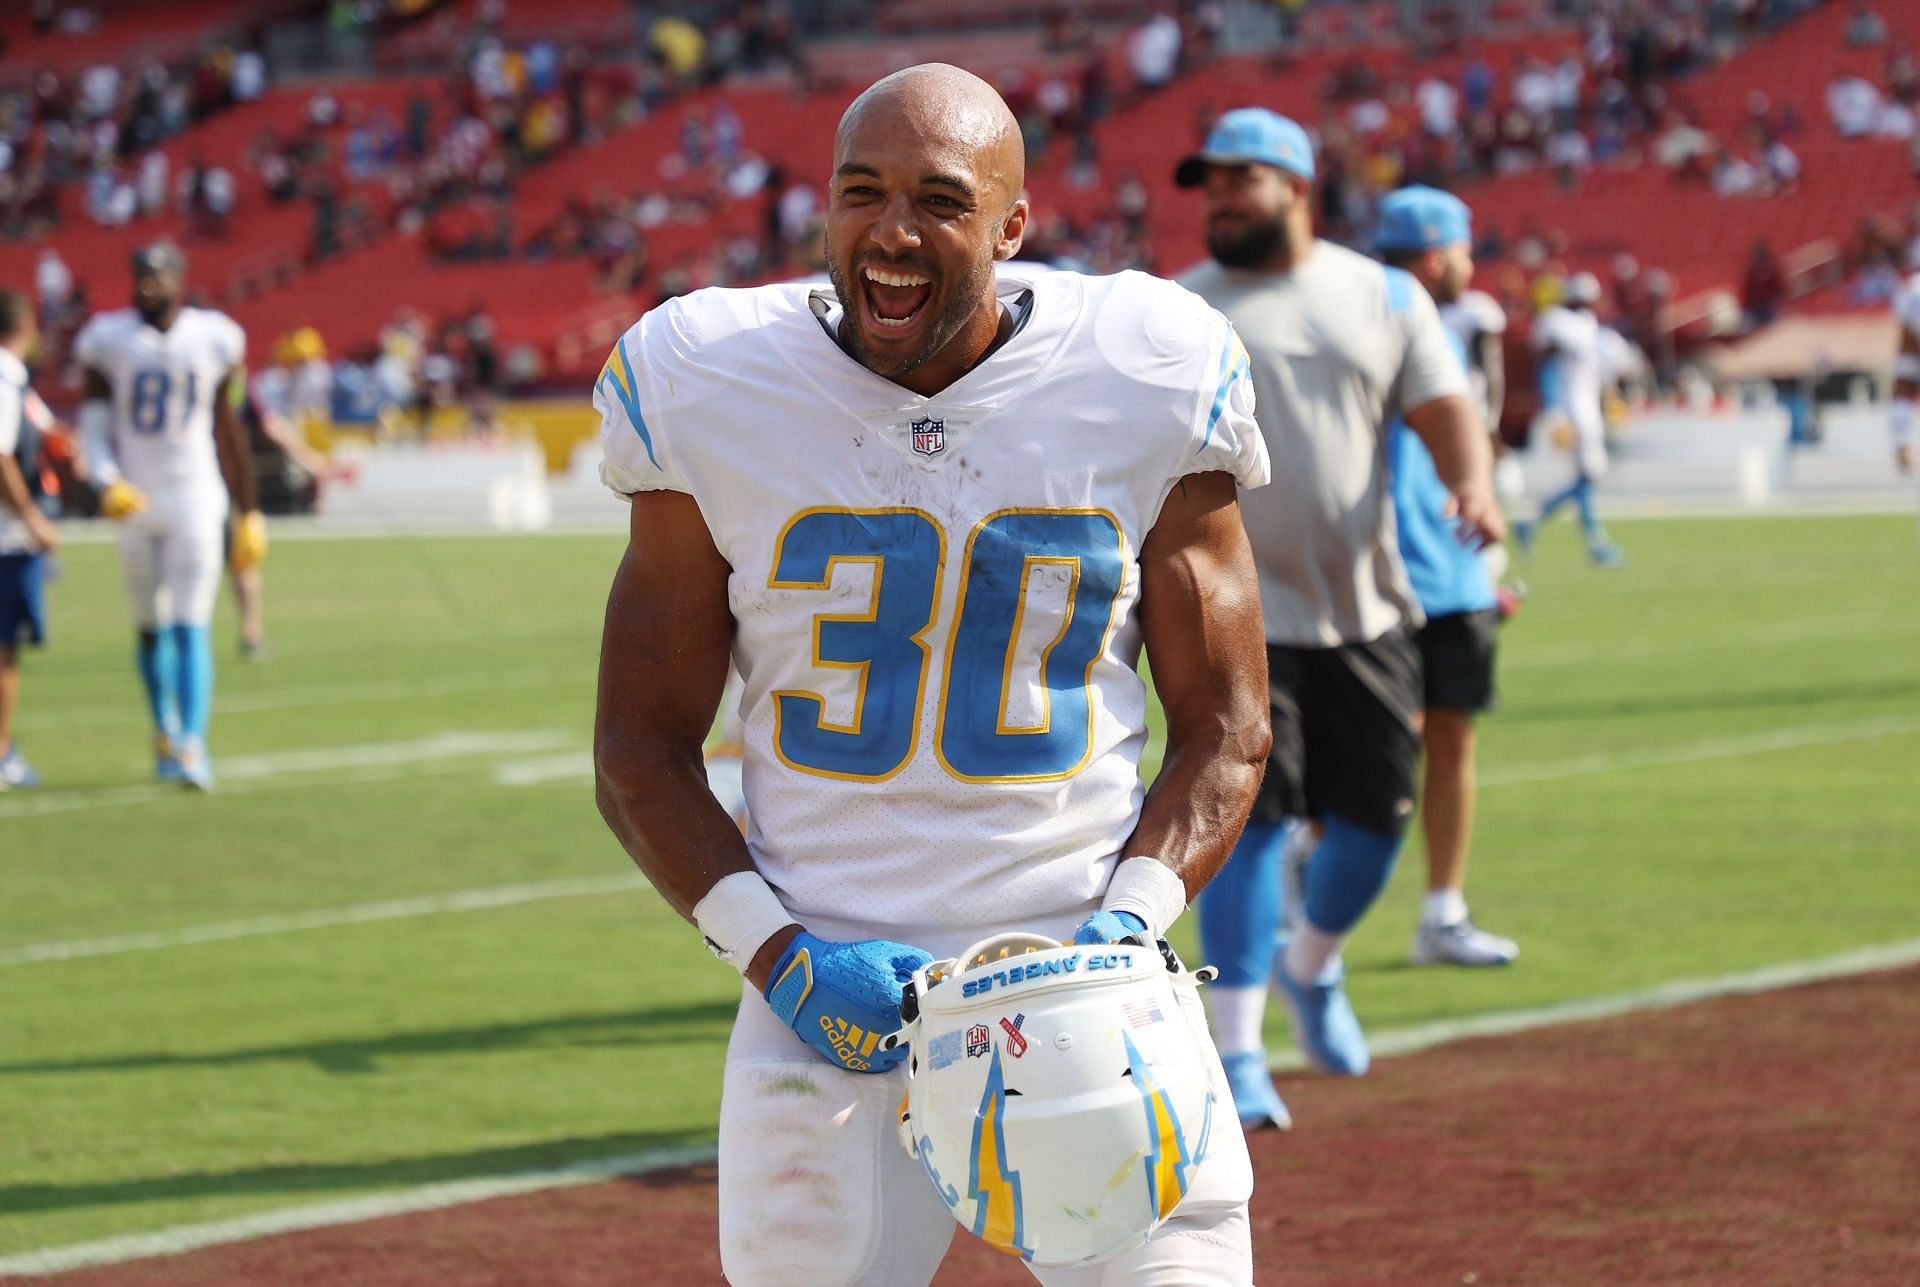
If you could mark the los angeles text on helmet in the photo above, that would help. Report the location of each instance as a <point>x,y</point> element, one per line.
<point>1039,969</point>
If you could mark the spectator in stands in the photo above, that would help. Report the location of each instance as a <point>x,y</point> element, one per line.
<point>52,285</point>
<point>1866,27</point>
<point>1153,51</point>
<point>1763,288</point>
<point>1853,104</point>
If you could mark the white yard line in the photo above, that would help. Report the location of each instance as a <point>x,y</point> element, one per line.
<point>132,711</point>
<point>432,1197</point>
<point>440,754</point>
<point>1713,748</point>
<point>463,900</point>
<point>569,766</point>
<point>1784,633</point>
<point>1664,996</point>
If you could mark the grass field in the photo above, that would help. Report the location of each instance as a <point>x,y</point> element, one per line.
<point>1705,763</point>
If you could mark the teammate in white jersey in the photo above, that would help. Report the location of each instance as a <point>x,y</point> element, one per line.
<point>1906,373</point>
<point>167,451</point>
<point>1571,338</point>
<point>934,524</point>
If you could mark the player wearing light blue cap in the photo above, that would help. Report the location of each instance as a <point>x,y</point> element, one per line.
<point>1429,235</point>
<point>1338,347</point>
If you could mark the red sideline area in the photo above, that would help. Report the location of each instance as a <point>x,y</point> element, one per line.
<point>1763,1139</point>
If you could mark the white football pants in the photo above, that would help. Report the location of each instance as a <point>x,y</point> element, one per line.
<point>816,1189</point>
<point>170,557</point>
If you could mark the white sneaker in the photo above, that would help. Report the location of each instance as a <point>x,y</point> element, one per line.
<point>1461,943</point>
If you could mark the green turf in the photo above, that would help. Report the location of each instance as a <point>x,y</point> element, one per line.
<point>150,1088</point>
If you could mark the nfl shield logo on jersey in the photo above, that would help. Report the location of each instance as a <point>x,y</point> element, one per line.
<point>929,436</point>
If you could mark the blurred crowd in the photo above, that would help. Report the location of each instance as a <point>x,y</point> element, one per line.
<point>1613,100</point>
<point>449,158</point>
<point>95,133</point>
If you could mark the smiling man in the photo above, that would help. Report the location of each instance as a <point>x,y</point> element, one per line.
<point>934,518</point>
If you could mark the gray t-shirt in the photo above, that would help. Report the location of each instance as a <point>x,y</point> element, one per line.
<point>1340,347</point>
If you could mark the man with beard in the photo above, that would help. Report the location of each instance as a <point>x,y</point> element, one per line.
<point>933,519</point>
<point>166,449</point>
<point>1339,346</point>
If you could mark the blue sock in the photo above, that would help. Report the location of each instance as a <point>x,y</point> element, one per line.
<point>1240,908</point>
<point>1568,493</point>
<point>193,659</point>
<point>154,658</point>
<point>1347,872</point>
<point>1589,520</point>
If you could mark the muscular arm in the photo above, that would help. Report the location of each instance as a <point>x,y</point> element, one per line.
<point>96,429</point>
<point>1200,616</point>
<point>236,455</point>
<point>1463,457</point>
<point>663,666</point>
<point>286,435</point>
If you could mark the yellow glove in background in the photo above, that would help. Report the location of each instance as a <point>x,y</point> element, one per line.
<point>122,499</point>
<point>249,541</point>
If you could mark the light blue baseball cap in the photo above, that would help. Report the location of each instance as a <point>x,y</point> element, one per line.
<point>1420,218</point>
<point>1246,135</point>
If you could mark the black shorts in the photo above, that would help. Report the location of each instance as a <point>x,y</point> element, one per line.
<point>23,610</point>
<point>1456,654</point>
<point>1344,732</point>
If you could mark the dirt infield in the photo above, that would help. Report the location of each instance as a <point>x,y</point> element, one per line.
<point>1763,1139</point>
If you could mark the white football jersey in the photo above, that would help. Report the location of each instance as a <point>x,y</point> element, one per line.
<point>1474,314</point>
<point>164,384</point>
<point>1906,306</point>
<point>935,597</point>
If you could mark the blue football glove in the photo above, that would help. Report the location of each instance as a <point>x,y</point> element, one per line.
<point>1108,927</point>
<point>843,998</point>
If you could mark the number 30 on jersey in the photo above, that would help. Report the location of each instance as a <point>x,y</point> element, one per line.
<point>1080,553</point>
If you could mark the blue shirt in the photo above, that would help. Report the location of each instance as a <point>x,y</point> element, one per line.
<point>1447,577</point>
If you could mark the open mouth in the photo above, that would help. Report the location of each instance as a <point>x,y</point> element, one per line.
<point>894,297</point>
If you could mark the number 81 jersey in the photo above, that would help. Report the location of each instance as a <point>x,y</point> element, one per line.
<point>935,598</point>
<point>164,384</point>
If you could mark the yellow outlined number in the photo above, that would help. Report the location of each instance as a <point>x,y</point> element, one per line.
<point>885,641</point>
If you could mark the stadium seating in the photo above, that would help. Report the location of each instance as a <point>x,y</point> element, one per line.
<point>260,268</point>
<point>129,32</point>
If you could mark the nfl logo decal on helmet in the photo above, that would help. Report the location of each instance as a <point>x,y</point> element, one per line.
<point>1082,1127</point>
<point>929,436</point>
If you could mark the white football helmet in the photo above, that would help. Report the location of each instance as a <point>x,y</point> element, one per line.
<point>1058,1097</point>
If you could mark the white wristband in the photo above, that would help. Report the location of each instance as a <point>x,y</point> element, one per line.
<point>1150,890</point>
<point>737,917</point>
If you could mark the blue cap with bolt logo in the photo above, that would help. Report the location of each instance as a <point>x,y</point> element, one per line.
<point>1421,218</point>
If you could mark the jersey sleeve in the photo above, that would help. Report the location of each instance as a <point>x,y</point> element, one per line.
<point>11,411</point>
<point>89,346</point>
<point>230,343</point>
<point>1488,317</point>
<point>633,450</point>
<point>1545,334</point>
<point>1227,438</point>
<point>1429,366</point>
<point>1906,306</point>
